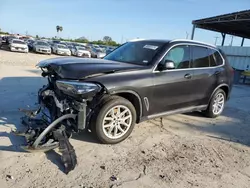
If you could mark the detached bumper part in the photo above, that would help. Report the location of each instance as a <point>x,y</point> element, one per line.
<point>68,153</point>
<point>42,136</point>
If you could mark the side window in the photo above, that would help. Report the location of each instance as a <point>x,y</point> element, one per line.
<point>200,57</point>
<point>180,55</point>
<point>212,58</point>
<point>219,60</point>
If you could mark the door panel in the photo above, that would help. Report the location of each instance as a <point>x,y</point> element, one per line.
<point>206,81</point>
<point>173,88</point>
<point>205,73</point>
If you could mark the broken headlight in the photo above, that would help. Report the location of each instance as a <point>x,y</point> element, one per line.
<point>77,88</point>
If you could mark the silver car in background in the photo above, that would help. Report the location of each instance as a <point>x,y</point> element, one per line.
<point>61,49</point>
<point>99,53</point>
<point>41,47</point>
<point>17,45</point>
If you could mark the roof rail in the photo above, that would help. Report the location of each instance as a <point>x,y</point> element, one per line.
<point>134,40</point>
<point>188,40</point>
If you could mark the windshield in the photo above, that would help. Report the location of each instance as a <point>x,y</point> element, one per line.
<point>140,52</point>
<point>97,50</point>
<point>42,43</point>
<point>62,46</point>
<point>18,42</point>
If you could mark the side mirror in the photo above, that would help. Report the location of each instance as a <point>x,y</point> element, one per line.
<point>167,65</point>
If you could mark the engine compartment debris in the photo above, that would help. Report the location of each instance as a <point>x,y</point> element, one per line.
<point>42,136</point>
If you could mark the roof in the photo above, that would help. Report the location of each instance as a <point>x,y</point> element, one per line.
<point>153,40</point>
<point>192,41</point>
<point>237,23</point>
<point>174,41</point>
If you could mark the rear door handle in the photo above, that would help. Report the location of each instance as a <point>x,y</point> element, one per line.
<point>188,76</point>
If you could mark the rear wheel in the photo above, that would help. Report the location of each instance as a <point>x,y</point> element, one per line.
<point>115,120</point>
<point>217,104</point>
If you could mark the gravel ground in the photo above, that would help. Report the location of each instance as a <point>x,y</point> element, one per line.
<point>185,150</point>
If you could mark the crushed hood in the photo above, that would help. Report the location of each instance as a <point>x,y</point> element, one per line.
<point>80,68</point>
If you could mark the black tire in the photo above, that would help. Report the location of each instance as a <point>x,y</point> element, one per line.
<point>209,111</point>
<point>102,109</point>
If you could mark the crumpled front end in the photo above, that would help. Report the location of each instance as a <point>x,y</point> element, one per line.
<point>65,106</point>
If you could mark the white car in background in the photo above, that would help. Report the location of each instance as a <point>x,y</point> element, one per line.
<point>41,47</point>
<point>17,45</point>
<point>61,49</point>
<point>80,51</point>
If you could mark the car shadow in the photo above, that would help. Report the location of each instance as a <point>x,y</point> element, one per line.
<point>55,158</point>
<point>232,125</point>
<point>15,141</point>
<point>196,114</point>
<point>85,136</point>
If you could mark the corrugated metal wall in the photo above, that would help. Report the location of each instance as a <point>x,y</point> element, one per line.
<point>238,57</point>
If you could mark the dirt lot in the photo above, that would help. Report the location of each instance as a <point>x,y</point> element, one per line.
<point>186,150</point>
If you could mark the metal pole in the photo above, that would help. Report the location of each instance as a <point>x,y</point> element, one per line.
<point>232,39</point>
<point>193,30</point>
<point>215,42</point>
<point>223,39</point>
<point>242,42</point>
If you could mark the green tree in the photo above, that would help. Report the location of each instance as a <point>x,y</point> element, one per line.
<point>107,39</point>
<point>59,29</point>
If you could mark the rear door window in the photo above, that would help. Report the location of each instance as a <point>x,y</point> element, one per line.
<point>212,58</point>
<point>200,57</point>
<point>219,60</point>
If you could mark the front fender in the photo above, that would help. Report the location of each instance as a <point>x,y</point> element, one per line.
<point>133,93</point>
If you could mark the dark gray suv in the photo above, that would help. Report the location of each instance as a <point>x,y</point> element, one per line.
<point>139,80</point>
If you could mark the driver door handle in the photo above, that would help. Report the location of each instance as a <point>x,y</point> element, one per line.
<point>188,76</point>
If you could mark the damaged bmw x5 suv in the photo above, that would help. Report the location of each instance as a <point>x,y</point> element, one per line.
<point>140,80</point>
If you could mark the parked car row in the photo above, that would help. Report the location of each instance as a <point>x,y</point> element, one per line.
<point>58,47</point>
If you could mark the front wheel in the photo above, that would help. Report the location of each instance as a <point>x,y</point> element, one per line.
<point>115,120</point>
<point>217,104</point>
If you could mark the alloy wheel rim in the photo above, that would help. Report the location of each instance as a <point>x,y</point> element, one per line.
<point>218,104</point>
<point>117,122</point>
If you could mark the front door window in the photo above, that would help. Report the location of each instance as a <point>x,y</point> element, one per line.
<point>180,55</point>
